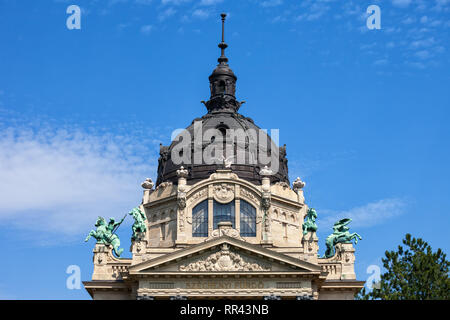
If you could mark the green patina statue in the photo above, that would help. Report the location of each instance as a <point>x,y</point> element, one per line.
<point>105,234</point>
<point>139,223</point>
<point>310,221</point>
<point>340,235</point>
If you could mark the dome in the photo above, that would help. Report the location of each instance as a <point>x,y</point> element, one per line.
<point>239,134</point>
<point>247,148</point>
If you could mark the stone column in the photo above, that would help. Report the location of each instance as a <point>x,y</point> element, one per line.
<point>181,205</point>
<point>101,258</point>
<point>147,185</point>
<point>265,205</point>
<point>310,244</point>
<point>138,247</point>
<point>346,253</point>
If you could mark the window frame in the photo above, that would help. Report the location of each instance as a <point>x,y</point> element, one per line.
<point>247,218</point>
<point>222,206</point>
<point>200,224</point>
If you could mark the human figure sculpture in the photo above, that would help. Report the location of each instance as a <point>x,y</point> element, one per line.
<point>310,221</point>
<point>139,226</point>
<point>104,234</point>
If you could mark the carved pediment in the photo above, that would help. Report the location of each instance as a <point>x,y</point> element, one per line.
<point>225,260</point>
<point>223,254</point>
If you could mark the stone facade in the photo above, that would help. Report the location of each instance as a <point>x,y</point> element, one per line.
<point>169,262</point>
<point>252,246</point>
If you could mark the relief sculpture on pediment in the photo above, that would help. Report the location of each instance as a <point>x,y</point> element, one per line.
<point>225,260</point>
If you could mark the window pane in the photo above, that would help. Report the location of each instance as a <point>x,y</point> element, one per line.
<point>223,212</point>
<point>200,220</point>
<point>248,219</point>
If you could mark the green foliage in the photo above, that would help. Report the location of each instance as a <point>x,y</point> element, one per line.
<point>413,273</point>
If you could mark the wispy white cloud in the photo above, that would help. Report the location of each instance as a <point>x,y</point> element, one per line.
<point>166,14</point>
<point>364,216</point>
<point>441,6</point>
<point>426,42</point>
<point>401,3</point>
<point>200,13</point>
<point>381,62</point>
<point>210,2</point>
<point>271,3</point>
<point>423,54</point>
<point>144,2</point>
<point>174,2</point>
<point>313,10</point>
<point>409,20</point>
<point>56,181</point>
<point>146,29</point>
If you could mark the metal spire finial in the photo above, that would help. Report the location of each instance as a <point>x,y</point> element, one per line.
<point>223,45</point>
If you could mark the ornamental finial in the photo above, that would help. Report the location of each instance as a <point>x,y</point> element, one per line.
<point>223,45</point>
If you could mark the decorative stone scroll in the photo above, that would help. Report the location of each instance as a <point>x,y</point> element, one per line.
<point>266,201</point>
<point>225,229</point>
<point>223,193</point>
<point>181,200</point>
<point>225,260</point>
<point>249,195</point>
<point>199,194</point>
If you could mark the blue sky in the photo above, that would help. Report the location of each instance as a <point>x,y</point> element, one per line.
<point>364,114</point>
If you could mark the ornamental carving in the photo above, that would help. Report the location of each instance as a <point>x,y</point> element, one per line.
<point>181,221</point>
<point>282,214</point>
<point>118,271</point>
<point>225,260</point>
<point>266,202</point>
<point>230,232</point>
<point>181,200</point>
<point>249,195</point>
<point>182,173</point>
<point>223,193</point>
<point>282,184</point>
<point>163,185</point>
<point>298,184</point>
<point>198,195</point>
<point>147,184</point>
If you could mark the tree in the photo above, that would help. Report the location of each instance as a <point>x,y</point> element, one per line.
<point>414,273</point>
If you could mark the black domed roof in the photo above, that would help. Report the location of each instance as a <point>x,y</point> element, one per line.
<point>248,149</point>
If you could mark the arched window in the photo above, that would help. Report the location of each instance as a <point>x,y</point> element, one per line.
<point>248,219</point>
<point>223,212</point>
<point>200,220</point>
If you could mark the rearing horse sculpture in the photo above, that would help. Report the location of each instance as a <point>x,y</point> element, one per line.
<point>340,235</point>
<point>104,234</point>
